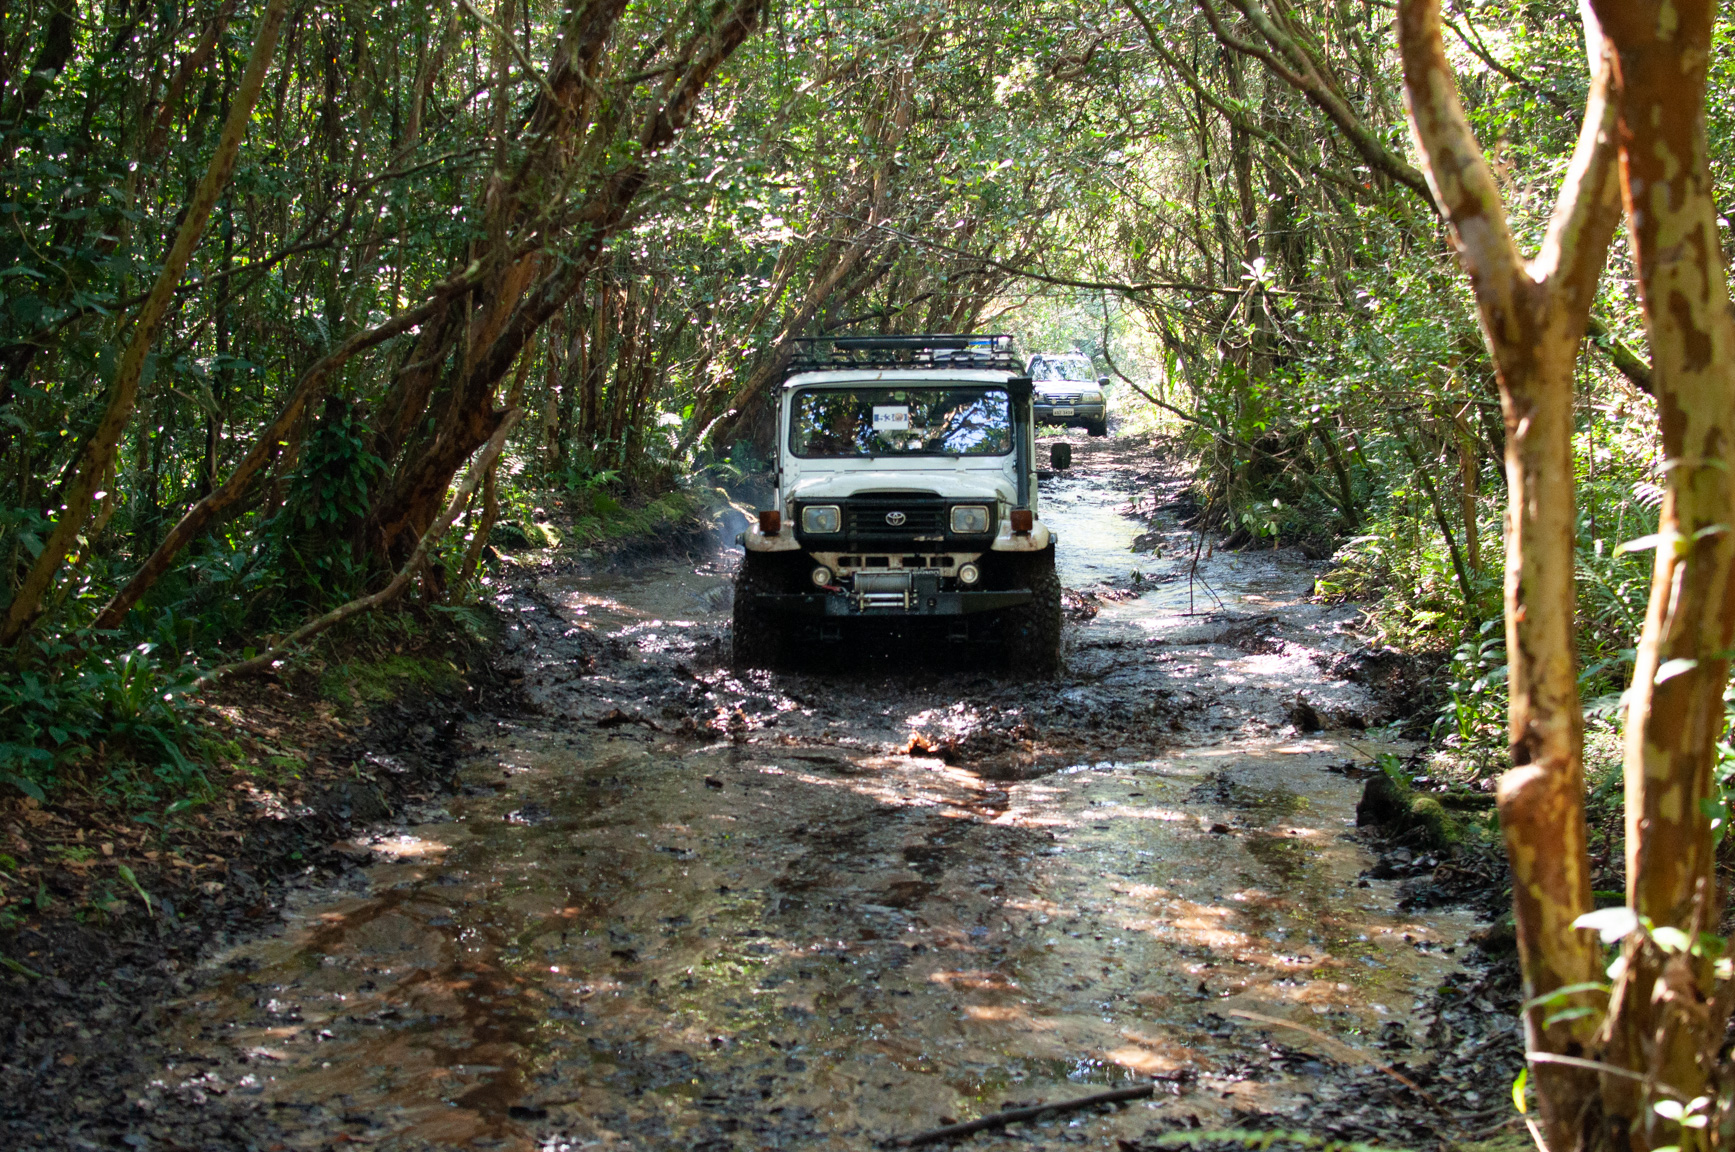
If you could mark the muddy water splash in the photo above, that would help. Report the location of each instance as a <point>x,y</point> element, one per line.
<point>677,908</point>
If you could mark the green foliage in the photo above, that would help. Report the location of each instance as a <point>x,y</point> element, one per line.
<point>112,723</point>
<point>610,520</point>
<point>313,537</point>
<point>1476,687</point>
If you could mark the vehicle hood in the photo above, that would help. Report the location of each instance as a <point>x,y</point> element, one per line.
<point>954,484</point>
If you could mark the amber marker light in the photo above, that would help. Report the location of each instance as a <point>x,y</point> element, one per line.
<point>770,522</point>
<point>1023,520</point>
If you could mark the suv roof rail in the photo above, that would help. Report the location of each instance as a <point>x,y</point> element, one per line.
<point>926,350</point>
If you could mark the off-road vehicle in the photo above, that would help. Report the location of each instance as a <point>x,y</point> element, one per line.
<point>1069,392</point>
<point>905,484</point>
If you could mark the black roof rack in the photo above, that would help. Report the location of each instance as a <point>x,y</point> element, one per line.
<point>928,350</point>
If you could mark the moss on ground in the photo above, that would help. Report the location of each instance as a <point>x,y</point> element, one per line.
<point>1429,813</point>
<point>363,682</point>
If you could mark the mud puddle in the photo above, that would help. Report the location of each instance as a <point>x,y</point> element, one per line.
<point>678,907</point>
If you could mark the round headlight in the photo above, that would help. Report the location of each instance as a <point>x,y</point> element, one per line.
<point>822,576</point>
<point>969,519</point>
<point>821,518</point>
<point>969,573</point>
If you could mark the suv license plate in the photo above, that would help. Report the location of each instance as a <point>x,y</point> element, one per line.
<point>1064,412</point>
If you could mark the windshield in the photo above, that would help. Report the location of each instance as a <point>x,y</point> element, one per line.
<point>1062,368</point>
<point>936,421</point>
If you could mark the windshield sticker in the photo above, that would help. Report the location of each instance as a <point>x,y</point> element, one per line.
<point>891,418</point>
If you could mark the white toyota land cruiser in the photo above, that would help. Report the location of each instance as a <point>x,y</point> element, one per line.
<point>906,491</point>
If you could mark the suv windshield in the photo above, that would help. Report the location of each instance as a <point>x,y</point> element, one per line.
<point>934,421</point>
<point>1062,368</point>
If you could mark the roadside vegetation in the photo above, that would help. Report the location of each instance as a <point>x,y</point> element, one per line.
<point>307,306</point>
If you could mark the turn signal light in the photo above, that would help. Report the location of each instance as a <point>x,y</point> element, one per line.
<point>770,522</point>
<point>1023,520</point>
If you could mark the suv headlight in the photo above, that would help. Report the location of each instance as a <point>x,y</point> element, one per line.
<point>969,519</point>
<point>821,519</point>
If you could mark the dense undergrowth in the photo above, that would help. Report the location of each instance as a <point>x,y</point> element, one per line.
<point>133,729</point>
<point>159,777</point>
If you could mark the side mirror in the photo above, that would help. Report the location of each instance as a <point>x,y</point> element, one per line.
<point>1102,381</point>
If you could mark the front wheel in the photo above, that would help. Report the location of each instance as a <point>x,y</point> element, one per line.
<point>760,637</point>
<point>1032,631</point>
<point>1098,427</point>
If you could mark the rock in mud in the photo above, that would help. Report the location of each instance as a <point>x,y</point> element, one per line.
<point>1304,717</point>
<point>1383,803</point>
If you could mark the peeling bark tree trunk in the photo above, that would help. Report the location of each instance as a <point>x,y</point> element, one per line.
<point>1662,1021</point>
<point>1533,318</point>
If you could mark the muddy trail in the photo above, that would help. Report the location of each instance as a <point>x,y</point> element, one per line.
<point>679,907</point>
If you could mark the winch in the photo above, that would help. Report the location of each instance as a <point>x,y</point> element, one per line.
<point>887,591</point>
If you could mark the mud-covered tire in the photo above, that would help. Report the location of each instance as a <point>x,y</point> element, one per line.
<point>1097,427</point>
<point>1032,631</point>
<point>760,638</point>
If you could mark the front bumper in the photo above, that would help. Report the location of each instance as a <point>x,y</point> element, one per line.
<point>923,599</point>
<point>1045,413</point>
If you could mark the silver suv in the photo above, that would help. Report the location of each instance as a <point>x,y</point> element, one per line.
<point>905,495</point>
<point>1069,392</point>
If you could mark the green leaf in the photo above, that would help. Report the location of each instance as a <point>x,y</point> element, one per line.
<point>1518,1086</point>
<point>24,784</point>
<point>1566,1014</point>
<point>13,965</point>
<point>133,882</point>
<point>1562,993</point>
<point>1671,939</point>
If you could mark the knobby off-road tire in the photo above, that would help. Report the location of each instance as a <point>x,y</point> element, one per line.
<point>761,638</point>
<point>1032,644</point>
<point>1098,427</point>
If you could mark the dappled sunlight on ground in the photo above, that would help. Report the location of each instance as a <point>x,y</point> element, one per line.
<point>799,928</point>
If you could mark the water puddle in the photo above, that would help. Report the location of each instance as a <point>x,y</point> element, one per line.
<point>817,933</point>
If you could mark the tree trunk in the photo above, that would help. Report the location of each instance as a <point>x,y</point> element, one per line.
<point>1661,1023</point>
<point>1533,319</point>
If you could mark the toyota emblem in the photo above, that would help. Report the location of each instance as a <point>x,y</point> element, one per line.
<point>895,519</point>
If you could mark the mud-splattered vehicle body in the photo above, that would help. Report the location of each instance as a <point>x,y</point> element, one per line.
<point>905,491</point>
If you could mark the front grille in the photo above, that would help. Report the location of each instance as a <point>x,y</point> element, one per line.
<point>864,517</point>
<point>1058,397</point>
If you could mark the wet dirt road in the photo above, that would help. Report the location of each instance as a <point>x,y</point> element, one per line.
<point>678,908</point>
